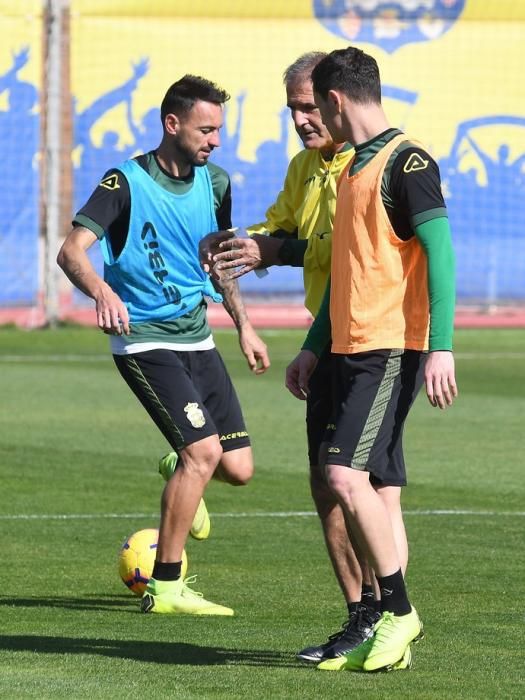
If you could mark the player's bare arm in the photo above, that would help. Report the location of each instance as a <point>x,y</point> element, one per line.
<point>253,348</point>
<point>112,315</point>
<point>440,380</point>
<point>242,255</point>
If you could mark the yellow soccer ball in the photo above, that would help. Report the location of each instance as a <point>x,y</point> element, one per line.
<point>136,559</point>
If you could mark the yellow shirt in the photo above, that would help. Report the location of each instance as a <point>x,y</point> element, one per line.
<point>306,205</point>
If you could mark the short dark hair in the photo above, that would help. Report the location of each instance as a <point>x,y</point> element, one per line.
<point>182,95</point>
<point>351,71</point>
<point>301,69</point>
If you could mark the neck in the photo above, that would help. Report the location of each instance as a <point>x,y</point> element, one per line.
<point>366,122</point>
<point>330,151</point>
<point>170,162</point>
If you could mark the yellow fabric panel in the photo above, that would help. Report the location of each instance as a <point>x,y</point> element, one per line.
<point>306,204</point>
<point>196,8</point>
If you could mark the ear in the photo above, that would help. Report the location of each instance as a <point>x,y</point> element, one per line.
<point>335,100</point>
<point>171,124</point>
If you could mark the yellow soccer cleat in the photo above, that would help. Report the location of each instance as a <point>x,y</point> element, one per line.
<point>167,465</point>
<point>405,664</point>
<point>354,660</point>
<point>201,526</point>
<point>393,635</point>
<point>177,598</point>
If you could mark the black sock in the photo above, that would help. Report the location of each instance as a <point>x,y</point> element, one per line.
<point>367,598</point>
<point>166,571</point>
<point>393,594</point>
<point>352,608</point>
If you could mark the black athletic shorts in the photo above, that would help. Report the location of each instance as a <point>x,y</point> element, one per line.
<point>319,405</point>
<point>373,393</point>
<point>188,394</point>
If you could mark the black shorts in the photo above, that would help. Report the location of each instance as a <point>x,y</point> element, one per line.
<point>373,393</point>
<point>319,405</point>
<point>188,394</point>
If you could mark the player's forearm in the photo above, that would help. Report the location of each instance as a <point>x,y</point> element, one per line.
<point>233,303</point>
<point>292,253</point>
<point>435,238</point>
<point>78,269</point>
<point>320,331</point>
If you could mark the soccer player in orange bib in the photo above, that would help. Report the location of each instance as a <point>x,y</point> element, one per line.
<point>390,311</point>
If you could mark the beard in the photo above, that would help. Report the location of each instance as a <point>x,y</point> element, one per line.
<point>188,154</point>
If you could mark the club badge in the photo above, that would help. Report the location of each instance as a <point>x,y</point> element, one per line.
<point>195,415</point>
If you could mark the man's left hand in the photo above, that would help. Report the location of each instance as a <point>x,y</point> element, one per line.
<point>440,380</point>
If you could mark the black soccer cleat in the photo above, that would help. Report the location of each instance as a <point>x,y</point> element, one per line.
<point>359,628</point>
<point>316,654</point>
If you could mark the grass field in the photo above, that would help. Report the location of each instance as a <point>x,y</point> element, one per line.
<point>78,474</point>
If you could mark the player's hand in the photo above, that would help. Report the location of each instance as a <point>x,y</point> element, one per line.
<point>298,374</point>
<point>254,349</point>
<point>112,314</point>
<point>440,380</point>
<point>209,246</point>
<point>242,255</point>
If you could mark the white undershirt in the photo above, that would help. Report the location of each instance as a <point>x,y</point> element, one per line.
<point>120,347</point>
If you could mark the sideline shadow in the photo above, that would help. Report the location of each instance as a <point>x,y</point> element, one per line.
<point>125,603</point>
<point>174,653</point>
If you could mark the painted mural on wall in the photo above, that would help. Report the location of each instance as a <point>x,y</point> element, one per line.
<point>19,183</point>
<point>484,190</point>
<point>388,24</point>
<point>482,163</point>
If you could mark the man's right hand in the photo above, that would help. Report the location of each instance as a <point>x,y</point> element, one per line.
<point>298,374</point>
<point>242,255</point>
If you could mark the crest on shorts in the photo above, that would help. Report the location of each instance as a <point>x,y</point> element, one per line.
<point>194,415</point>
<point>388,24</point>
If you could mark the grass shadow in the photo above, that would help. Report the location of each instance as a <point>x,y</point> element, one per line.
<point>88,602</point>
<point>164,652</point>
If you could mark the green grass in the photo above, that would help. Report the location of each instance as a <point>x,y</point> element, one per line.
<point>75,442</point>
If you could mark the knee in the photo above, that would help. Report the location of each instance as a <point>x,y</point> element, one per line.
<point>323,497</point>
<point>336,485</point>
<point>240,476</point>
<point>201,458</point>
<point>236,467</point>
<point>345,490</point>
<point>391,497</point>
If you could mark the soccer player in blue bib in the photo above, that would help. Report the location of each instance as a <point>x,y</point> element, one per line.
<point>150,214</point>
